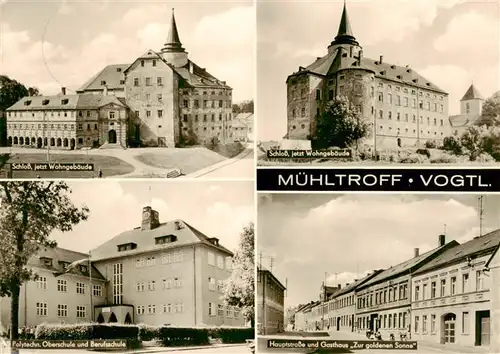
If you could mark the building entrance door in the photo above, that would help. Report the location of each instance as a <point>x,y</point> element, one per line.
<point>449,328</point>
<point>112,136</point>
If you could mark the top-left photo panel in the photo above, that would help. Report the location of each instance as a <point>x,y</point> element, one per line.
<point>157,90</point>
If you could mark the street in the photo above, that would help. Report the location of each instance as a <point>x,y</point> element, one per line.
<point>243,168</point>
<point>423,347</point>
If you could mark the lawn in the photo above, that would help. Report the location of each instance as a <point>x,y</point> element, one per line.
<point>188,160</point>
<point>110,166</point>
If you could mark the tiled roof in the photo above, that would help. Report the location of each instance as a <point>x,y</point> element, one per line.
<point>408,265</point>
<point>145,240</point>
<point>479,245</point>
<point>199,77</point>
<point>471,94</point>
<point>63,255</point>
<point>357,283</point>
<point>111,75</point>
<point>79,101</point>
<point>402,74</point>
<point>244,116</point>
<point>462,120</point>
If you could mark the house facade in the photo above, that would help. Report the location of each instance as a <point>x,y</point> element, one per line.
<point>452,301</point>
<point>403,108</point>
<point>158,274</point>
<point>270,303</point>
<point>161,99</point>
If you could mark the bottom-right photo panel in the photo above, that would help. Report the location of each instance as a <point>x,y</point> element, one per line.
<point>347,273</point>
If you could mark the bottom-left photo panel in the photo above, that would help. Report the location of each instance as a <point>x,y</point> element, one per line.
<point>148,266</point>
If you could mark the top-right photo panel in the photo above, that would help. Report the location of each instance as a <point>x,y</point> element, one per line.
<point>378,83</point>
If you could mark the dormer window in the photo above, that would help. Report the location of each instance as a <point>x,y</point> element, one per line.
<point>393,66</point>
<point>119,70</point>
<point>178,225</point>
<point>165,239</point>
<point>46,261</point>
<point>27,103</point>
<point>84,268</point>
<point>64,264</point>
<point>415,80</point>
<point>127,247</point>
<point>214,241</point>
<point>45,102</point>
<point>399,77</point>
<point>103,83</point>
<point>382,72</point>
<point>65,101</point>
<point>122,82</point>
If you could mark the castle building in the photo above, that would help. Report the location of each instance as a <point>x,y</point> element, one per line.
<point>452,295</point>
<point>270,303</point>
<point>167,100</point>
<point>158,274</point>
<point>471,110</point>
<point>403,108</point>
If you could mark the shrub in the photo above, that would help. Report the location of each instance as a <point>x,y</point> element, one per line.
<point>147,333</point>
<point>414,158</point>
<point>485,158</point>
<point>430,144</point>
<point>174,336</point>
<point>424,152</point>
<point>452,144</point>
<point>232,335</point>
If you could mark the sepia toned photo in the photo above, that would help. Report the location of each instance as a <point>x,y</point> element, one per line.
<point>358,84</point>
<point>154,267</point>
<point>391,269</point>
<point>160,89</point>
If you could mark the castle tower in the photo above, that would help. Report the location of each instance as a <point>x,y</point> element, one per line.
<point>345,37</point>
<point>172,51</point>
<point>472,102</point>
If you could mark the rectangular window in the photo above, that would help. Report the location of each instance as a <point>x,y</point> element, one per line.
<point>229,263</point>
<point>186,103</point>
<point>148,97</point>
<point>117,283</point>
<point>433,324</point>
<point>148,114</point>
<point>62,310</point>
<point>424,324</point>
<point>211,258</point>
<point>160,113</point>
<point>62,285</point>
<point>97,290</point>
<point>159,97</point>
<point>81,312</point>
<point>211,309</point>
<point>220,310</point>
<point>433,290</point>
<point>453,285</point>
<point>465,322</point>
<point>479,281</point>
<point>443,287</point>
<point>465,282</point>
<point>424,292</point>
<point>136,81</point>
<point>41,283</point>
<point>318,95</point>
<point>416,324</point>
<point>380,97</point>
<point>159,81</point>
<point>80,288</point>
<point>220,262</point>
<point>211,284</point>
<point>41,309</point>
<point>148,81</point>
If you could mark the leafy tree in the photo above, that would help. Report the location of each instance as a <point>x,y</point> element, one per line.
<point>340,125</point>
<point>243,107</point>
<point>239,289</point>
<point>452,144</point>
<point>472,140</point>
<point>491,108</point>
<point>29,213</point>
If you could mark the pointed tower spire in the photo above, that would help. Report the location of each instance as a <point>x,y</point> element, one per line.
<point>344,34</point>
<point>472,94</point>
<point>173,43</point>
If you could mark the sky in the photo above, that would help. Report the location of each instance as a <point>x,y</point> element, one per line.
<point>450,42</point>
<point>49,44</point>
<point>117,206</point>
<point>347,236</point>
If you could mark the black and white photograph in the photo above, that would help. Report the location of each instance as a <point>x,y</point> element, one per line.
<point>378,82</point>
<point>161,267</point>
<point>388,268</point>
<point>109,88</point>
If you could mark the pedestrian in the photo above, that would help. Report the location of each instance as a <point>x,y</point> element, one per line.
<point>100,173</point>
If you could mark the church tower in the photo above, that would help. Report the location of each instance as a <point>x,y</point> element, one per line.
<point>345,37</point>
<point>472,102</point>
<point>172,51</point>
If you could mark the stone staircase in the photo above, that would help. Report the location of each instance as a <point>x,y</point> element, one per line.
<point>109,146</point>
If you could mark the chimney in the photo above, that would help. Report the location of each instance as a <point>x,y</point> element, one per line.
<point>381,59</point>
<point>339,286</point>
<point>346,284</point>
<point>191,69</point>
<point>146,218</point>
<point>442,240</point>
<point>105,91</point>
<point>417,252</point>
<point>63,91</point>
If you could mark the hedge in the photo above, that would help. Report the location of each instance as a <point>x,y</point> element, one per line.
<point>86,331</point>
<point>175,336</point>
<point>232,335</point>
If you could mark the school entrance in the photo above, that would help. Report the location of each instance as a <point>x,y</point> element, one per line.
<point>449,321</point>
<point>482,328</point>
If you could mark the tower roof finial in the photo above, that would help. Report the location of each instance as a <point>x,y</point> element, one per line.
<point>173,43</point>
<point>345,34</point>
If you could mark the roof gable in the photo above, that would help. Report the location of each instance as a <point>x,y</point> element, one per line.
<point>149,55</point>
<point>112,76</point>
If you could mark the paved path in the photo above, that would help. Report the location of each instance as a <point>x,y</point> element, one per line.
<point>241,166</point>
